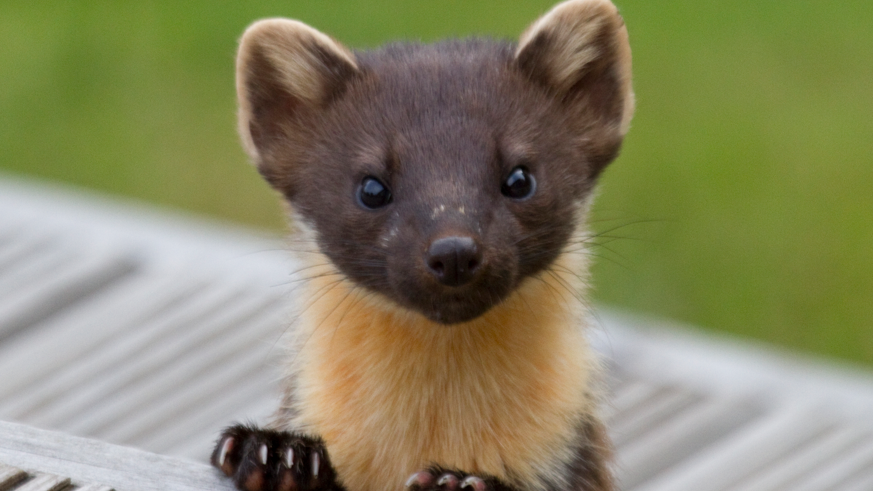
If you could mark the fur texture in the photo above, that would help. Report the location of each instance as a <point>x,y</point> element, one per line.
<point>586,37</point>
<point>501,395</point>
<point>392,370</point>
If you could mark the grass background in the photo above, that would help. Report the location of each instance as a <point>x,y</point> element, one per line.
<point>744,191</point>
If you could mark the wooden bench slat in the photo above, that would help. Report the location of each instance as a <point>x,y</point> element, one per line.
<point>92,461</point>
<point>796,467</point>
<point>646,417</point>
<point>862,482</point>
<point>18,256</point>
<point>841,470</point>
<point>38,398</point>
<point>75,278</point>
<point>32,263</point>
<point>10,476</point>
<point>684,434</point>
<point>630,395</point>
<point>11,228</point>
<point>160,365</point>
<point>199,400</point>
<point>92,487</point>
<point>44,482</point>
<point>247,404</point>
<point>182,370</point>
<point>14,479</point>
<point>744,453</point>
<point>196,431</point>
<point>83,330</point>
<point>195,400</point>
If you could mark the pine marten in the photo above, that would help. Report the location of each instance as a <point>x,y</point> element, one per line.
<point>438,194</point>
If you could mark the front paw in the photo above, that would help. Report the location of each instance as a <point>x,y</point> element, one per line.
<point>267,460</point>
<point>437,479</point>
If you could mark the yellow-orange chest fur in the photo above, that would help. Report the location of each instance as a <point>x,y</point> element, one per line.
<point>391,392</point>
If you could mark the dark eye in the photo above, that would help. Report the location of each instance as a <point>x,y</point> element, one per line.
<point>520,184</point>
<point>373,194</point>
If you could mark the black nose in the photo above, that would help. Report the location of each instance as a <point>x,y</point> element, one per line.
<point>454,260</point>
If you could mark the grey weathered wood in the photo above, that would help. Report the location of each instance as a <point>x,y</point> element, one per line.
<point>19,255</point>
<point>30,270</point>
<point>93,487</point>
<point>198,398</point>
<point>10,476</point>
<point>226,378</point>
<point>841,470</point>
<point>80,276</point>
<point>26,259</point>
<point>681,436</point>
<point>629,395</point>
<point>210,384</point>
<point>45,482</point>
<point>159,366</point>
<point>15,479</point>
<point>806,460</point>
<point>748,451</point>
<point>862,482</point>
<point>84,329</point>
<point>249,404</point>
<point>213,412</point>
<point>37,399</point>
<point>646,416</point>
<point>91,461</point>
<point>663,351</point>
<point>182,367</point>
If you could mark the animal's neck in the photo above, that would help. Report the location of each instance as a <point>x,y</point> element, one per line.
<point>500,392</point>
<point>523,333</point>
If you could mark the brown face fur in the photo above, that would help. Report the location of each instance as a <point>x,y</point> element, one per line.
<point>442,126</point>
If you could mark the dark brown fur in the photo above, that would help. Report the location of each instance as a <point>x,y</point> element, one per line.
<point>442,126</point>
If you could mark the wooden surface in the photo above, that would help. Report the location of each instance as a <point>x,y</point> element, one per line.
<point>138,328</point>
<point>55,461</point>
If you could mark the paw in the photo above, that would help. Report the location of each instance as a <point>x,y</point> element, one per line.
<point>265,460</point>
<point>442,480</point>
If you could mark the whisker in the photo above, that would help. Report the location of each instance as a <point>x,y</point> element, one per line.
<point>355,301</point>
<point>301,347</point>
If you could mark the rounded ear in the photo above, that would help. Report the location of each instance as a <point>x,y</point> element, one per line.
<point>284,69</point>
<point>580,51</point>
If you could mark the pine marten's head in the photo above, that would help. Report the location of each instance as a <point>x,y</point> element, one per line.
<point>439,176</point>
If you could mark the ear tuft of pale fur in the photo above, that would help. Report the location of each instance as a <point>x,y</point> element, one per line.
<point>580,51</point>
<point>285,67</point>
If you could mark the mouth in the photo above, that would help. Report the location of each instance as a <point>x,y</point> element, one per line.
<point>451,305</point>
<point>458,307</point>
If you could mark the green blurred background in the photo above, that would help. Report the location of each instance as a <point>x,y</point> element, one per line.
<point>742,202</point>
